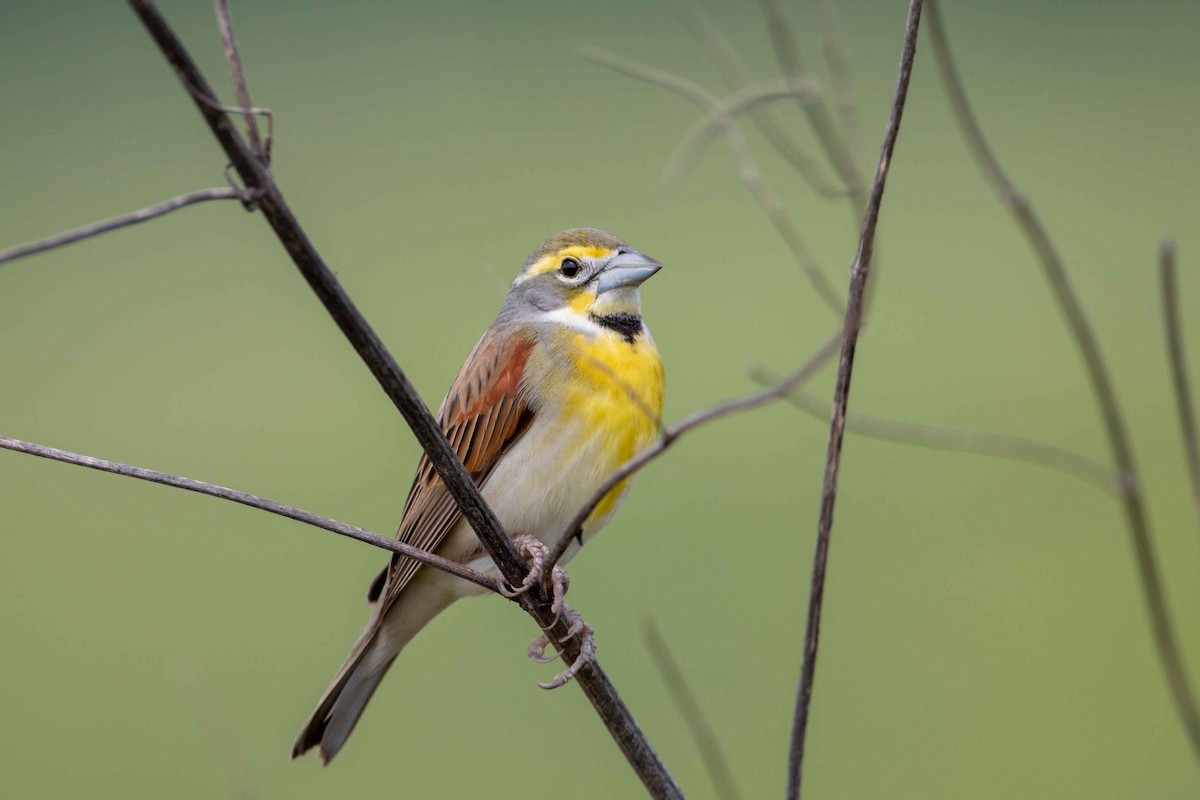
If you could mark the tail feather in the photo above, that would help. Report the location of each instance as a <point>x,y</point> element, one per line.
<point>390,629</point>
<point>343,702</point>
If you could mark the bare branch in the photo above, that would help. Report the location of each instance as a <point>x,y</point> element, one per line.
<point>740,150</point>
<point>737,76</point>
<point>255,175</point>
<point>239,81</point>
<point>724,784</point>
<point>245,499</point>
<point>734,405</point>
<point>940,437</point>
<point>1133,503</point>
<point>1179,370</point>
<point>859,272</point>
<point>123,221</point>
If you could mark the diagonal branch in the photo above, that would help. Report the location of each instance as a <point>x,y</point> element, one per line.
<point>123,221</point>
<point>940,437</point>
<point>1179,370</point>
<point>1132,500</point>
<point>740,150</point>
<point>255,175</point>
<point>253,501</point>
<point>859,272</point>
<point>574,529</point>
<point>724,784</point>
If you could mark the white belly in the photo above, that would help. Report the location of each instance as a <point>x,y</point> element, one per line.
<point>536,490</point>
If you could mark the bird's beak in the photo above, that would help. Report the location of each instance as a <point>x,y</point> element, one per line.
<point>629,268</point>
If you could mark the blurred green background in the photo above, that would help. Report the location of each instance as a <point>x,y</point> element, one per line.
<point>985,634</point>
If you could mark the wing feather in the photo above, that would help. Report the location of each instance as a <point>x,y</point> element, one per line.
<point>484,412</point>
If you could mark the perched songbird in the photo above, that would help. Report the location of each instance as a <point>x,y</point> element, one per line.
<point>564,387</point>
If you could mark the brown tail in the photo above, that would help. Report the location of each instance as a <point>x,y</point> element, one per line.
<point>343,702</point>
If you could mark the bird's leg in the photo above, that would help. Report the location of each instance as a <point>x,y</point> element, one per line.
<point>532,549</point>
<point>587,648</point>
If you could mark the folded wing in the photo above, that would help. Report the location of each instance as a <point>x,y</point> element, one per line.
<point>483,414</point>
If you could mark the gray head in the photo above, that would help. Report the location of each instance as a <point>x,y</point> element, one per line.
<point>586,276</point>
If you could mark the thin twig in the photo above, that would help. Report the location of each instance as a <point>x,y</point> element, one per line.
<point>740,149</point>
<point>733,70</point>
<point>255,175</point>
<point>239,81</point>
<point>253,111</point>
<point>694,142</point>
<point>813,105</point>
<point>859,272</point>
<point>940,437</point>
<point>246,499</point>
<point>837,148</point>
<point>1179,369</point>
<point>123,221</point>
<point>1133,503</point>
<point>724,784</point>
<point>840,68</point>
<point>694,420</point>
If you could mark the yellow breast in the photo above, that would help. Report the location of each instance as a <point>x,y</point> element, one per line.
<point>615,394</point>
<point>616,386</point>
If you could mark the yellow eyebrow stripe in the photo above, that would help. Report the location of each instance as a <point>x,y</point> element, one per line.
<point>551,262</point>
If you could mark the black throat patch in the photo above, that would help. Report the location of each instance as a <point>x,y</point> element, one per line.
<point>628,325</point>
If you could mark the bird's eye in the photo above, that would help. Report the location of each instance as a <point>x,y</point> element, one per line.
<point>569,268</point>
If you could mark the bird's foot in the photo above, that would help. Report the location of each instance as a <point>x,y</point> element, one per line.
<point>533,550</point>
<point>587,648</point>
<point>560,581</point>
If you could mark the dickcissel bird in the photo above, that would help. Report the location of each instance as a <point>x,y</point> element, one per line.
<point>564,387</point>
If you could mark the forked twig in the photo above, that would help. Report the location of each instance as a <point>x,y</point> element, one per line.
<point>255,175</point>
<point>737,77</point>
<point>263,149</point>
<point>1132,500</point>
<point>941,437</point>
<point>246,111</point>
<point>1178,362</point>
<point>123,221</point>
<point>748,99</point>
<point>734,405</point>
<point>724,784</point>
<point>813,106</point>
<point>252,501</point>
<point>740,150</point>
<point>859,272</point>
